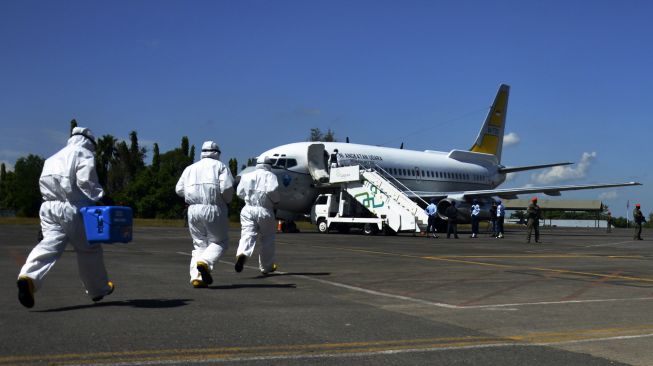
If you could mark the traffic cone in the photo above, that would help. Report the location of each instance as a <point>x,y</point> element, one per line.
<point>279,229</point>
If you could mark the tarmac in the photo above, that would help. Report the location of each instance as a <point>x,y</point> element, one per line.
<point>581,297</point>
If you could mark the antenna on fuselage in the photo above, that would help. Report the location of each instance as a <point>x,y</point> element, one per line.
<point>347,139</point>
<point>402,146</point>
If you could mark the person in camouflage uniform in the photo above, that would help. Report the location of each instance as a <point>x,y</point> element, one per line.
<point>534,214</point>
<point>639,219</point>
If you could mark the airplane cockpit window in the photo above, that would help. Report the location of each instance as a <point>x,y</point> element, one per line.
<point>284,163</point>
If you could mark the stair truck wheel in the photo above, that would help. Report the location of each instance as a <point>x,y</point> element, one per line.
<point>322,226</point>
<point>370,229</point>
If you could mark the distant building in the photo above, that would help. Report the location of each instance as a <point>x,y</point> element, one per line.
<point>592,206</point>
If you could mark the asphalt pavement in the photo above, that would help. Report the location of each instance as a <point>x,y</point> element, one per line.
<point>581,297</point>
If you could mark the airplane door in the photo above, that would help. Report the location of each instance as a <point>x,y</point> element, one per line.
<point>316,163</point>
<point>418,174</point>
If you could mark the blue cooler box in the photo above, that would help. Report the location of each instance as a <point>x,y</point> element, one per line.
<point>107,224</point>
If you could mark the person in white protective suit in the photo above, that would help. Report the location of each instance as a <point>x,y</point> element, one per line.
<point>68,182</point>
<point>207,186</point>
<point>260,191</point>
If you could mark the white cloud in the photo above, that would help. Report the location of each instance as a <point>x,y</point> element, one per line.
<point>511,139</point>
<point>566,173</point>
<point>608,195</point>
<point>309,111</point>
<point>510,177</point>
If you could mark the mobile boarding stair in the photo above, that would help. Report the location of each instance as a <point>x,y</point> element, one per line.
<point>379,196</point>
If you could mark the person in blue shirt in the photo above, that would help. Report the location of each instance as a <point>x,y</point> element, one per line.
<point>501,214</point>
<point>432,212</point>
<point>475,211</point>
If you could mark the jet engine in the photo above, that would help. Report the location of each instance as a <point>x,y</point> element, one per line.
<point>464,209</point>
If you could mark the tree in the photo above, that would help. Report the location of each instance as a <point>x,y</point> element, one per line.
<point>120,171</point>
<point>237,203</point>
<point>191,154</point>
<point>156,158</point>
<point>184,145</point>
<point>136,154</point>
<point>5,187</point>
<point>233,166</point>
<point>26,195</point>
<point>317,135</point>
<point>104,153</point>
<point>329,136</point>
<point>135,161</point>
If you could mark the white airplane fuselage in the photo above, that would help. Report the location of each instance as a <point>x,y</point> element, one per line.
<point>418,171</point>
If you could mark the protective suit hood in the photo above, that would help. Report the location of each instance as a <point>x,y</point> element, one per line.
<point>210,150</point>
<point>264,163</point>
<point>82,136</point>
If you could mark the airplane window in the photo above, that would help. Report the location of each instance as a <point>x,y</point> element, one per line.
<point>281,163</point>
<point>291,163</point>
<point>273,161</point>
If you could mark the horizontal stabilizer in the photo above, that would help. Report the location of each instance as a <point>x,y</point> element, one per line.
<point>530,167</point>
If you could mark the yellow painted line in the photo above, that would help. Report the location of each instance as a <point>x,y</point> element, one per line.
<point>331,349</point>
<point>592,274</point>
<point>496,265</point>
<point>543,256</point>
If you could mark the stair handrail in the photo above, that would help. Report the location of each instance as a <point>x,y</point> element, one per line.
<point>401,184</point>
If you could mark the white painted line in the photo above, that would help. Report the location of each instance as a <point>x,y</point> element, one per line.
<point>557,302</point>
<point>378,293</point>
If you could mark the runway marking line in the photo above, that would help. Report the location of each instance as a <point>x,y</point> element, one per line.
<point>453,258</point>
<point>330,350</point>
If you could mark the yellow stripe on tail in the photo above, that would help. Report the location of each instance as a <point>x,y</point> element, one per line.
<point>490,138</point>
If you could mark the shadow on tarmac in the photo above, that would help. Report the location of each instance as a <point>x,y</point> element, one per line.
<point>138,303</point>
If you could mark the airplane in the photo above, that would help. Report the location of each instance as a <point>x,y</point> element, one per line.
<point>456,176</point>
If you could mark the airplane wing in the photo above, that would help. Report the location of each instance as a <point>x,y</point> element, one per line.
<point>511,193</point>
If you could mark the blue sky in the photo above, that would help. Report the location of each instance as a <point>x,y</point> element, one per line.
<point>256,74</point>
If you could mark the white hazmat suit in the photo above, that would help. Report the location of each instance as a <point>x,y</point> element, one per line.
<point>260,191</point>
<point>68,182</point>
<point>207,187</point>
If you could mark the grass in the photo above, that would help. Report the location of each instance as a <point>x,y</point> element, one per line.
<point>19,221</point>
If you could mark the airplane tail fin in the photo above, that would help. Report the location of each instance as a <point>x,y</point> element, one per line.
<point>490,138</point>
